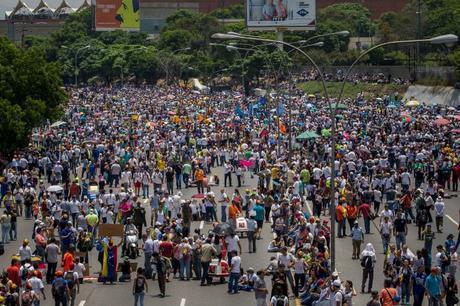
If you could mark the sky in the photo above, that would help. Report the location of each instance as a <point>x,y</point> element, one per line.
<point>8,5</point>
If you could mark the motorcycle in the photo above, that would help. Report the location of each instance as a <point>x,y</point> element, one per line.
<point>131,247</point>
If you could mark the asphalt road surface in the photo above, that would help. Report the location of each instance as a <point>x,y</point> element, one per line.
<point>189,293</point>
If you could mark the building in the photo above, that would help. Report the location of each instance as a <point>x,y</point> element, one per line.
<point>43,19</point>
<point>39,21</point>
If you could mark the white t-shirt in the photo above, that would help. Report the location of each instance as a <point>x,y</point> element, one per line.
<point>79,268</point>
<point>285,260</point>
<point>337,297</point>
<point>232,243</point>
<point>36,283</point>
<point>299,266</point>
<point>236,264</point>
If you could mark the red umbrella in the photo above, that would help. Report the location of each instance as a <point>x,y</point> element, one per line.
<point>198,196</point>
<point>441,121</point>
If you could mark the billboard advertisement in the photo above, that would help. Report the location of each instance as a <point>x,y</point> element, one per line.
<point>117,15</point>
<point>272,14</point>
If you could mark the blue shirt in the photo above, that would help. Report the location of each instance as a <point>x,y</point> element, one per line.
<point>66,232</point>
<point>252,225</point>
<point>419,280</point>
<point>357,233</point>
<point>433,285</point>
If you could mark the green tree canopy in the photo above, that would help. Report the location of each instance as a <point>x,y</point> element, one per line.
<point>30,93</point>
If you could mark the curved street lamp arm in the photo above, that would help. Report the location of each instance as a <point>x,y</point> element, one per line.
<point>347,74</point>
<point>272,41</point>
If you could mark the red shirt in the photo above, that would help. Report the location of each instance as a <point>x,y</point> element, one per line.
<point>13,275</point>
<point>166,249</point>
<point>365,210</point>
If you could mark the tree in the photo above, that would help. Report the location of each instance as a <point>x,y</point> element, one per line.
<point>236,11</point>
<point>175,39</point>
<point>355,18</point>
<point>30,92</point>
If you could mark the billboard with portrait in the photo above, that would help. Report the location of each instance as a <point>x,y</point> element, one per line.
<point>117,15</point>
<point>272,14</point>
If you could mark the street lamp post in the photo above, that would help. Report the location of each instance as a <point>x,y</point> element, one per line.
<point>76,61</point>
<point>443,39</point>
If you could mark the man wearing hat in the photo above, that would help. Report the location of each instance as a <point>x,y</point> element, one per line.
<point>336,294</point>
<point>60,290</point>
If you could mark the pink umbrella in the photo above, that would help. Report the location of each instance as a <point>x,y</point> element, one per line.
<point>441,121</point>
<point>198,196</point>
<point>457,117</point>
<point>246,163</point>
<point>456,131</point>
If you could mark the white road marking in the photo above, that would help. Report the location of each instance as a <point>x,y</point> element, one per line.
<point>182,302</point>
<point>201,225</point>
<point>452,219</point>
<point>82,303</point>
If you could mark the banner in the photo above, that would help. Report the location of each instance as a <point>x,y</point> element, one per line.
<point>117,15</point>
<point>289,14</point>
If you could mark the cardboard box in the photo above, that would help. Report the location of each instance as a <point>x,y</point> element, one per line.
<point>109,230</point>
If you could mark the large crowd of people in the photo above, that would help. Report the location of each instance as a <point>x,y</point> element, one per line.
<point>119,152</point>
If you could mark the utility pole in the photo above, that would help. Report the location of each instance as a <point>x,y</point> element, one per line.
<point>419,36</point>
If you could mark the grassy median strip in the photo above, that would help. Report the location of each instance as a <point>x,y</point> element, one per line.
<point>351,90</point>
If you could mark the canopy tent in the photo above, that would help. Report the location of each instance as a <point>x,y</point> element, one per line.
<point>307,135</point>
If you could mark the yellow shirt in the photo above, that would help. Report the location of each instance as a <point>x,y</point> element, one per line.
<point>275,173</point>
<point>161,165</point>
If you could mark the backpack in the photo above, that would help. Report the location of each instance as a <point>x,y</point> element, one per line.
<point>279,300</point>
<point>27,298</point>
<point>59,287</point>
<point>366,262</point>
<point>421,216</point>
<point>24,273</point>
<point>445,260</point>
<point>342,294</point>
<point>70,280</point>
<point>10,299</point>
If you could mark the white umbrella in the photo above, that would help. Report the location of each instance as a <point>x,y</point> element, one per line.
<point>54,188</point>
<point>58,124</point>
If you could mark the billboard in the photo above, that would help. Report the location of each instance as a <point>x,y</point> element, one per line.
<point>270,15</point>
<point>117,15</point>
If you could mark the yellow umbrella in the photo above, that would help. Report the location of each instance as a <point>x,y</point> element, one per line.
<point>413,103</point>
